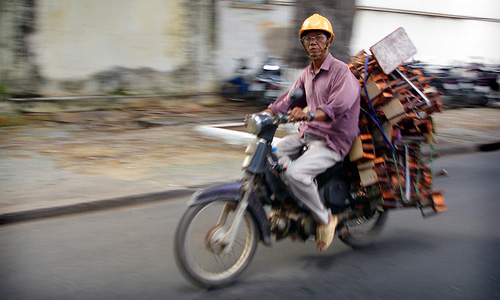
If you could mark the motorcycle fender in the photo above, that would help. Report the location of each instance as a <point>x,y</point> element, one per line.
<point>232,191</point>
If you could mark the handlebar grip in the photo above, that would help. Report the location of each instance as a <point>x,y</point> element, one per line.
<point>286,119</point>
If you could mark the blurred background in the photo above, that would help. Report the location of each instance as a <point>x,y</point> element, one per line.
<point>123,47</point>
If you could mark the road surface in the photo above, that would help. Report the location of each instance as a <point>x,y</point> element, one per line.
<point>127,253</point>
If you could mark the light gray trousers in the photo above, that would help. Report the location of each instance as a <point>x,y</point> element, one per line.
<point>303,169</point>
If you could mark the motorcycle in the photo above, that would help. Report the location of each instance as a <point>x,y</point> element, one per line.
<point>218,235</point>
<point>465,87</point>
<point>263,88</point>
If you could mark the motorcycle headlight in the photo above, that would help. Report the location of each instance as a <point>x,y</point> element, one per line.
<point>255,122</point>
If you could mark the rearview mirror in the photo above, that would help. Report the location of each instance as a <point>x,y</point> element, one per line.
<point>296,94</point>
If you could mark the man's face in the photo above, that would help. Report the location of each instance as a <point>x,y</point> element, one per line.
<point>315,42</point>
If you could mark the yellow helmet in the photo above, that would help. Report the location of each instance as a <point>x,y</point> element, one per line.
<point>317,22</point>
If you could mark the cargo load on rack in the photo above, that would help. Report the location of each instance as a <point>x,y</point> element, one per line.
<point>395,125</point>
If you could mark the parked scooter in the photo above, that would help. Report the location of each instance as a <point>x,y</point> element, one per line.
<point>263,88</point>
<point>489,80</point>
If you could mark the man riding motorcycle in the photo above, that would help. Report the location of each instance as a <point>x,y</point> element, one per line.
<point>332,96</point>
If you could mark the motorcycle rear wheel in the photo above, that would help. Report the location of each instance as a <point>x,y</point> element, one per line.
<point>198,253</point>
<point>363,231</point>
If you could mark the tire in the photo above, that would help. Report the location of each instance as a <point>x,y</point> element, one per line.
<point>196,251</point>
<point>362,232</point>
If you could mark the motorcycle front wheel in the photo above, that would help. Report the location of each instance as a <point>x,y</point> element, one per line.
<point>361,232</point>
<point>200,252</point>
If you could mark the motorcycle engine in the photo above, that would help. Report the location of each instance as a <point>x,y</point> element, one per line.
<point>298,225</point>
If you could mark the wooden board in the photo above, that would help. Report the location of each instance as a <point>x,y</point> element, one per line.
<point>393,50</point>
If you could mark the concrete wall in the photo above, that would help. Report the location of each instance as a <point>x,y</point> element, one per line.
<point>17,68</point>
<point>458,32</point>
<point>99,47</point>
<point>111,46</point>
<point>251,31</point>
<point>94,47</point>
<point>80,38</point>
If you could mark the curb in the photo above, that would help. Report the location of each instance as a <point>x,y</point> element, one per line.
<point>98,205</point>
<point>105,204</point>
<point>455,150</point>
<point>487,147</point>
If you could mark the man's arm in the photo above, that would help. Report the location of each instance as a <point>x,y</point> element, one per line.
<point>297,114</point>
<point>344,93</point>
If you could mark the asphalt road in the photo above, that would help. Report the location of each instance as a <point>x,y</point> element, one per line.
<point>127,253</point>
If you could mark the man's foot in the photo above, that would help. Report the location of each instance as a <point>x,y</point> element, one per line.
<point>326,233</point>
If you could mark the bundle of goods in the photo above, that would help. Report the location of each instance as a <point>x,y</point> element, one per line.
<point>395,123</point>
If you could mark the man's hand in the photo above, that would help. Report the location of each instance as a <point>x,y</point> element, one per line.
<point>297,114</point>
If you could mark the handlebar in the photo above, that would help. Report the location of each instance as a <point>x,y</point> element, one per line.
<point>286,119</point>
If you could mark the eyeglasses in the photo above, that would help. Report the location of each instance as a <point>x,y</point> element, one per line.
<point>319,38</point>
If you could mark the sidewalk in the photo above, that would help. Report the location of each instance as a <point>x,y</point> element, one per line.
<point>86,164</point>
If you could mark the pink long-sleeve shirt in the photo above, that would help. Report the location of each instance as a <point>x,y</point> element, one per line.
<point>334,90</point>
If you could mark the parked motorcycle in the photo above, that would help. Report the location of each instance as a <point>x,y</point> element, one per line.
<point>465,87</point>
<point>263,88</point>
<point>218,235</point>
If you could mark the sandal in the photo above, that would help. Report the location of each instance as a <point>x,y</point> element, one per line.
<point>326,233</point>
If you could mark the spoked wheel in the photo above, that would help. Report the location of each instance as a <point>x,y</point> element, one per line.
<point>201,251</point>
<point>362,232</point>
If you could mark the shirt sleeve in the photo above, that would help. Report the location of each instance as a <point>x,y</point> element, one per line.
<point>344,93</point>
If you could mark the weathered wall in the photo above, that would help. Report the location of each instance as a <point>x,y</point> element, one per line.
<point>113,46</point>
<point>93,47</point>
<point>251,31</point>
<point>18,71</point>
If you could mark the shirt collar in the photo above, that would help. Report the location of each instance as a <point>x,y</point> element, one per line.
<point>325,65</point>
